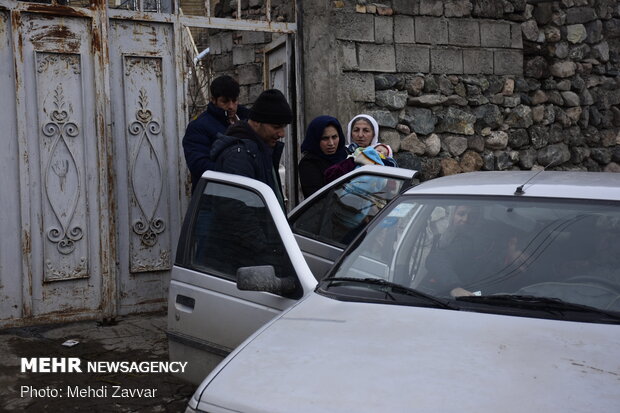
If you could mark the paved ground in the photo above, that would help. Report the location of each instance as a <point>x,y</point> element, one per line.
<point>133,338</point>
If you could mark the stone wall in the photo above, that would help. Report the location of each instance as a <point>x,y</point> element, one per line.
<point>240,53</point>
<point>473,85</point>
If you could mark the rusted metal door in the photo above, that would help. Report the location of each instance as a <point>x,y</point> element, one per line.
<point>10,241</point>
<point>146,162</point>
<point>58,199</point>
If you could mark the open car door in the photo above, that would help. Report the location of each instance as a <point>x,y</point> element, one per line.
<point>235,236</point>
<point>326,222</point>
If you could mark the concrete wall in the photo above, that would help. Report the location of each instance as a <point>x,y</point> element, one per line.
<point>472,85</point>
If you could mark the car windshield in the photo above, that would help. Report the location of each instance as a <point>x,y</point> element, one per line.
<point>462,250</point>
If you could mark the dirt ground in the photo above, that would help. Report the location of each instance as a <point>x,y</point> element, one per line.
<point>134,338</point>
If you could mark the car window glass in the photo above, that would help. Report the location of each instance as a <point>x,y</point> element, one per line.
<point>343,211</point>
<point>569,250</point>
<point>233,228</point>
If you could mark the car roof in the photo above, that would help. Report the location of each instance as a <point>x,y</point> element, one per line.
<point>549,184</point>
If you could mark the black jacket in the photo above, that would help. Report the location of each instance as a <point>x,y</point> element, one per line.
<point>200,135</point>
<point>242,152</point>
<point>311,170</point>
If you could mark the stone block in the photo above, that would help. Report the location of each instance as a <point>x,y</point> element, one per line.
<point>410,7</point>
<point>391,99</point>
<point>477,61</point>
<point>250,74</point>
<point>376,58</point>
<point>411,58</point>
<point>390,137</point>
<point>463,32</point>
<point>543,12</point>
<point>355,27</point>
<point>404,29</point>
<point>448,61</point>
<point>227,41</point>
<point>612,28</point>
<point>431,7</point>
<point>431,30</point>
<point>249,94</point>
<point>242,55</point>
<point>576,33</point>
<point>576,15</point>
<point>493,34</point>
<point>595,31</point>
<point>384,118</point>
<point>530,30</point>
<point>348,55</point>
<point>488,8</point>
<point>508,62</point>
<point>215,45</point>
<point>516,38</point>
<point>384,29</point>
<point>385,81</point>
<point>222,63</point>
<point>357,87</point>
<point>458,8</point>
<point>249,37</point>
<point>419,120</point>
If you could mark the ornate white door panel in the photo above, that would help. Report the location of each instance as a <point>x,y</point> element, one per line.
<point>10,241</point>
<point>60,201</point>
<point>145,136</point>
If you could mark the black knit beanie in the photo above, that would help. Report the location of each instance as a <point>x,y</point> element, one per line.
<point>271,107</point>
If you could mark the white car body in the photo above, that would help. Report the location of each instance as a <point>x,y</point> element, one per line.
<point>326,354</point>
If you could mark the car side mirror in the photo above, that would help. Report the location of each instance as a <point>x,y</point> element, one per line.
<point>263,278</point>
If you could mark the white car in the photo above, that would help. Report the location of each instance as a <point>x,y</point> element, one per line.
<point>485,292</point>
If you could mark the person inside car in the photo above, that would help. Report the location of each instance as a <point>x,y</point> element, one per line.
<point>469,257</point>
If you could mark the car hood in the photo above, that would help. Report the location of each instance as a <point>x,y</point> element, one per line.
<point>328,355</point>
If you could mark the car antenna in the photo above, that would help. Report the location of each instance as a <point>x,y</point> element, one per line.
<point>520,191</point>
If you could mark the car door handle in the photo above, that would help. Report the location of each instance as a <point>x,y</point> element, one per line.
<point>185,303</point>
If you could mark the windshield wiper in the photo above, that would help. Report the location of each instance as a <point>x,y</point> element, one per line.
<point>395,288</point>
<point>548,304</point>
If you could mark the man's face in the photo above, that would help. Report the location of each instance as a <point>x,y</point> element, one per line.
<point>227,104</point>
<point>461,216</point>
<point>269,133</point>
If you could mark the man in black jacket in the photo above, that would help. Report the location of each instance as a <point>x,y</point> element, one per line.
<point>222,111</point>
<point>253,148</point>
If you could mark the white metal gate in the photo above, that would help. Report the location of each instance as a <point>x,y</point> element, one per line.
<point>93,187</point>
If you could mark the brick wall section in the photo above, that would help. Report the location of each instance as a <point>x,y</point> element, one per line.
<point>464,36</point>
<point>526,83</point>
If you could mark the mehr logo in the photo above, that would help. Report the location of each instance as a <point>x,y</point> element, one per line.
<point>51,365</point>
